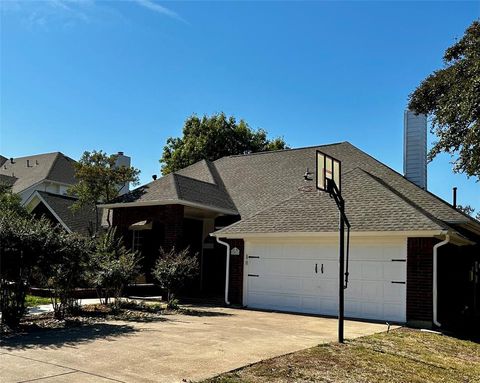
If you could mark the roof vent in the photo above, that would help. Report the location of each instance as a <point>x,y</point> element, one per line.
<point>11,160</point>
<point>415,148</point>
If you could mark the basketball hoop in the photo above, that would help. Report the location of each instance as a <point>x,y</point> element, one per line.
<point>328,179</point>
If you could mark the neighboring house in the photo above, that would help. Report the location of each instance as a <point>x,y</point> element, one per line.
<point>50,172</point>
<point>42,182</point>
<point>413,257</point>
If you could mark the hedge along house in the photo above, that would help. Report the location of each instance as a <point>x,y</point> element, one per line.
<point>413,258</point>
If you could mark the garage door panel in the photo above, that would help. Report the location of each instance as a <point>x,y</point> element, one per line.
<point>372,291</point>
<point>394,292</point>
<point>287,280</point>
<point>395,271</point>
<point>327,287</point>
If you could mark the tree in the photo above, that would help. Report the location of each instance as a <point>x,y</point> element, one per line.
<point>467,209</point>
<point>99,180</point>
<point>173,269</point>
<point>22,240</point>
<point>112,266</point>
<point>213,137</point>
<point>64,268</point>
<point>451,98</point>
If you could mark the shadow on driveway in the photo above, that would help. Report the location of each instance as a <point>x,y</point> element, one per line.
<point>68,337</point>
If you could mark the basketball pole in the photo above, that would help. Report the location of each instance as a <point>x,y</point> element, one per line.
<point>337,196</point>
<point>341,273</point>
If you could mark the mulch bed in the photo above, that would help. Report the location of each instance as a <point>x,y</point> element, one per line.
<point>90,314</point>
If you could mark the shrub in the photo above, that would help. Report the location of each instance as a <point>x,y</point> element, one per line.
<point>22,240</point>
<point>173,269</point>
<point>112,266</point>
<point>64,269</point>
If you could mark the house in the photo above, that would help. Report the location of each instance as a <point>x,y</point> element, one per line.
<point>42,182</point>
<point>49,172</point>
<point>413,257</point>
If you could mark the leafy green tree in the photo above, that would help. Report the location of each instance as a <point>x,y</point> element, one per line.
<point>65,268</point>
<point>99,180</point>
<point>212,137</point>
<point>112,266</point>
<point>451,98</point>
<point>467,209</point>
<point>173,269</point>
<point>22,240</point>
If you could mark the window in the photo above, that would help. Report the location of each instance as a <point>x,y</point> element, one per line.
<point>138,237</point>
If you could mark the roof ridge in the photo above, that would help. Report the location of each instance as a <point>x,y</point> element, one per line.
<point>405,199</point>
<point>281,150</point>
<point>36,155</point>
<point>413,183</point>
<point>57,156</point>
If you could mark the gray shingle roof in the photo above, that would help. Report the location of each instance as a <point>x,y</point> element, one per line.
<point>178,188</point>
<point>79,221</point>
<point>264,189</point>
<point>370,207</point>
<point>50,166</point>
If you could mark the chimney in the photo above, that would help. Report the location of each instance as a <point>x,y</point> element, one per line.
<point>415,148</point>
<point>123,160</point>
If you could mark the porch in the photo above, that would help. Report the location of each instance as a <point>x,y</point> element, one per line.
<point>146,229</point>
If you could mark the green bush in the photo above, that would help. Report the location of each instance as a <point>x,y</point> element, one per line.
<point>112,266</point>
<point>22,240</point>
<point>63,269</point>
<point>173,269</point>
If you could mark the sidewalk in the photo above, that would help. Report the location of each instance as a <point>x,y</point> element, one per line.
<point>48,308</point>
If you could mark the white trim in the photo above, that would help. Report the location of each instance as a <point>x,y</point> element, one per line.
<point>168,202</point>
<point>227,269</point>
<point>425,233</point>
<point>37,194</point>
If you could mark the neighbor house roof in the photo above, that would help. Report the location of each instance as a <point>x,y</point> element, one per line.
<point>266,190</point>
<point>81,221</point>
<point>31,170</point>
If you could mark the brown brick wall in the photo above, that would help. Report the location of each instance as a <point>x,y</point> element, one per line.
<point>236,272</point>
<point>171,216</point>
<point>420,279</point>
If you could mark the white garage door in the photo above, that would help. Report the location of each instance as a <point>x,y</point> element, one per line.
<point>303,278</point>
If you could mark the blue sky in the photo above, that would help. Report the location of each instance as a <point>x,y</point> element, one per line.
<point>124,75</point>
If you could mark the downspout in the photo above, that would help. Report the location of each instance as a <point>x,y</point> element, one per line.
<point>227,269</point>
<point>435,279</point>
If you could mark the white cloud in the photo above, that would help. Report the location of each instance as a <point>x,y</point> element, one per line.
<point>155,7</point>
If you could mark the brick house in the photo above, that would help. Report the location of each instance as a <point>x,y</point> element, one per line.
<point>413,258</point>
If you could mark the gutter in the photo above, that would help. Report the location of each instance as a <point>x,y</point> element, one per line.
<point>227,269</point>
<point>435,279</point>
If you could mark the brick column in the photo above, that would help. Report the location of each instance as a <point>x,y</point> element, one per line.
<point>420,280</point>
<point>236,272</point>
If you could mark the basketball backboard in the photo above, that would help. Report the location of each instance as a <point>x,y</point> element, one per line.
<point>327,168</point>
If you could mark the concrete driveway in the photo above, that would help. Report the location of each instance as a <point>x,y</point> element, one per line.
<point>190,347</point>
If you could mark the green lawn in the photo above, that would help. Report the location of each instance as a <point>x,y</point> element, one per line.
<point>403,355</point>
<point>33,300</point>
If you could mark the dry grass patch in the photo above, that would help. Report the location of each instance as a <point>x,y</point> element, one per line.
<point>403,355</point>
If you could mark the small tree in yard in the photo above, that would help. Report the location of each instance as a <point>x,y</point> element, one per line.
<point>113,266</point>
<point>64,269</point>
<point>173,269</point>
<point>99,179</point>
<point>22,240</point>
